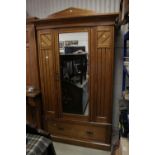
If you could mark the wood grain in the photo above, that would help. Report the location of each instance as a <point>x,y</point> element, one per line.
<point>32,69</point>
<point>104,73</point>
<point>34,108</point>
<point>47,70</point>
<point>93,130</point>
<point>86,131</point>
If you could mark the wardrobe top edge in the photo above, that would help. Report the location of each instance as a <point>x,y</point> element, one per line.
<point>109,17</point>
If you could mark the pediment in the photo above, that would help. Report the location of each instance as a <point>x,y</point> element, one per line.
<point>71,12</point>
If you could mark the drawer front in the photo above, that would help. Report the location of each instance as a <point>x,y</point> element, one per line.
<point>78,131</point>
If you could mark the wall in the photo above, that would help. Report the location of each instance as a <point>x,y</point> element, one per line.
<point>81,37</point>
<point>42,8</point>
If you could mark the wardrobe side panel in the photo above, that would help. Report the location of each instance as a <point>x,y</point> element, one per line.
<point>32,70</point>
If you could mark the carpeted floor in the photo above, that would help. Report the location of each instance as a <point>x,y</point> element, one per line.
<point>66,149</point>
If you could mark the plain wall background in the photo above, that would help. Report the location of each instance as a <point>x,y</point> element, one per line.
<point>81,37</point>
<point>42,8</point>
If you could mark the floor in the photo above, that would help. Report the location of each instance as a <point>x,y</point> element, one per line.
<point>66,149</point>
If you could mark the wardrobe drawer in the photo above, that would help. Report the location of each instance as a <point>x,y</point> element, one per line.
<point>85,132</point>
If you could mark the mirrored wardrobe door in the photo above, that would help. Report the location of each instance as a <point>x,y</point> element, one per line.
<point>73,69</point>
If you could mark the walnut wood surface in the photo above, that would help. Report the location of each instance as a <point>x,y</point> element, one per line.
<point>93,130</point>
<point>32,71</point>
<point>98,133</point>
<point>34,109</point>
<point>71,12</point>
<point>46,66</point>
<point>73,17</point>
<point>84,143</point>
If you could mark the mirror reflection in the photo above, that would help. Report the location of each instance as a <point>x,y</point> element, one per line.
<point>73,49</point>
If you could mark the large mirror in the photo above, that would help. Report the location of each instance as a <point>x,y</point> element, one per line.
<point>73,51</point>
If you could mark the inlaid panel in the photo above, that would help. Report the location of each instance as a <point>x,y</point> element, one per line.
<point>104,37</point>
<point>45,40</point>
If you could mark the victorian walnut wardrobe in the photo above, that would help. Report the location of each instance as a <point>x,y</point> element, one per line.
<point>81,67</point>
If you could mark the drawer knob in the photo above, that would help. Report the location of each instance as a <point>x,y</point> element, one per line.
<point>89,132</point>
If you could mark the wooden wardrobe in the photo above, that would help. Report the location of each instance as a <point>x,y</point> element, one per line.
<point>33,99</point>
<point>32,68</point>
<point>95,128</point>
